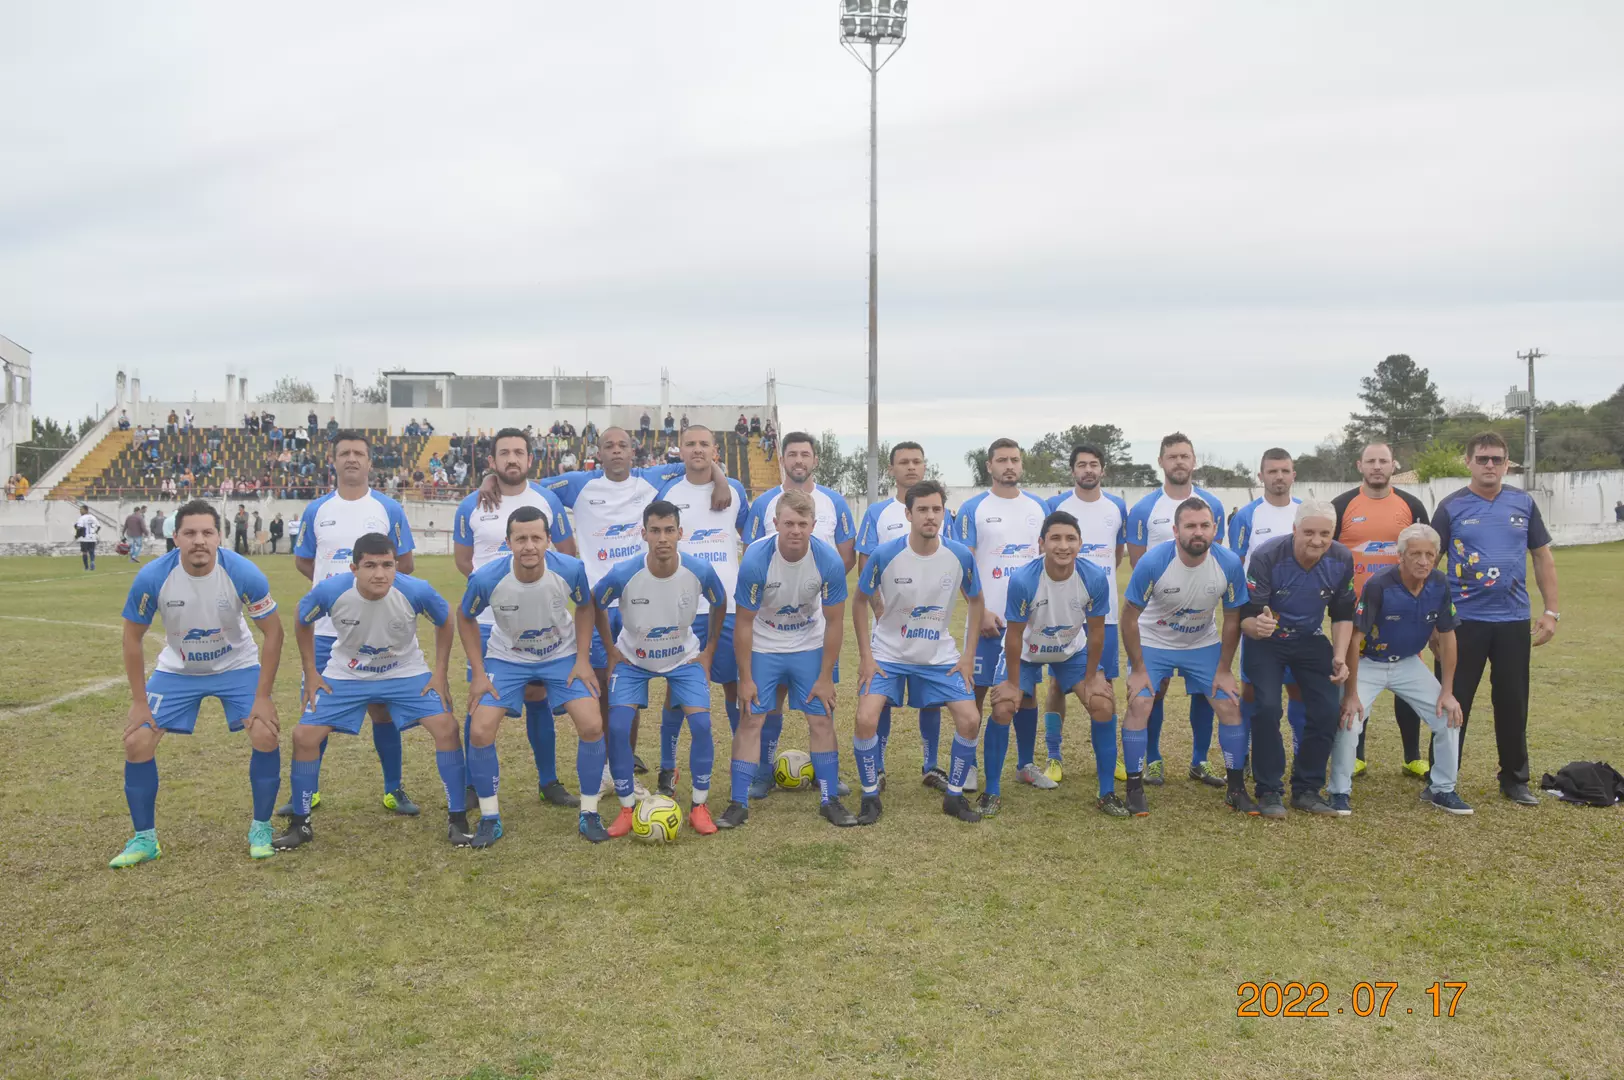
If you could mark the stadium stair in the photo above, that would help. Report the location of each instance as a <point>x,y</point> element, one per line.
<point>434,446</point>
<point>763,473</point>
<point>94,464</point>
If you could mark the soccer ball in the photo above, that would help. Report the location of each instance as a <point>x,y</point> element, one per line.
<point>657,819</point>
<point>792,769</point>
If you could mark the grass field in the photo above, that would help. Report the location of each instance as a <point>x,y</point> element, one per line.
<point>1048,942</point>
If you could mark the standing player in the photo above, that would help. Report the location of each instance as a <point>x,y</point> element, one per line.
<point>711,536</point>
<point>374,660</point>
<point>1102,522</point>
<point>1150,523</point>
<point>203,594</point>
<point>533,640</point>
<point>479,536</point>
<point>1051,601</point>
<point>659,592</point>
<point>326,548</point>
<point>792,590</point>
<point>1001,527</point>
<point>1272,514</point>
<point>1368,521</point>
<point>86,528</point>
<point>1172,596</point>
<point>911,655</point>
<point>888,520</point>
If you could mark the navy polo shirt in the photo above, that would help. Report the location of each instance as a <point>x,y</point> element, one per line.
<point>1299,597</point>
<point>1397,624</point>
<point>1485,544</point>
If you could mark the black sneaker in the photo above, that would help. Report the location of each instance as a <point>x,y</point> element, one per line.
<point>458,835</point>
<point>287,810</point>
<point>556,794</point>
<point>667,783</point>
<point>989,805</point>
<point>1137,805</point>
<point>298,832</point>
<point>637,765</point>
<point>836,814</point>
<point>936,780</point>
<point>869,812</point>
<point>400,803</point>
<point>488,833</point>
<point>1111,806</point>
<point>735,815</point>
<point>958,806</point>
<point>1519,794</point>
<point>1270,805</point>
<point>1240,802</point>
<point>1309,802</point>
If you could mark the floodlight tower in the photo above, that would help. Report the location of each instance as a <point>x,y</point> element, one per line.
<point>866,27</point>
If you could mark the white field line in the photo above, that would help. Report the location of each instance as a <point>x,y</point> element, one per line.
<point>62,622</point>
<point>83,691</point>
<point>80,578</point>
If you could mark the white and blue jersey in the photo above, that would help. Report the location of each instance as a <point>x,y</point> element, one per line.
<point>784,601</point>
<point>1485,544</point>
<point>657,614</point>
<point>1103,525</point>
<point>1177,602</point>
<point>532,621</point>
<point>1004,535</point>
<point>1056,613</point>
<point>711,536</point>
<point>331,525</point>
<point>832,522</point>
<point>1258,522</point>
<point>377,639</point>
<point>609,514</point>
<point>486,530</point>
<point>887,520</point>
<point>1150,520</point>
<point>918,593</point>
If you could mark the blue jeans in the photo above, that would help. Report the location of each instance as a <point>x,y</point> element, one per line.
<point>1265,664</point>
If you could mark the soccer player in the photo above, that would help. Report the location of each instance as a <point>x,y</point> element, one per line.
<point>203,594</point>
<point>1487,533</point>
<point>1102,521</point>
<point>711,536</point>
<point>798,460</point>
<point>86,528</point>
<point>326,548</point>
<point>657,591</point>
<point>884,521</point>
<point>1055,618</point>
<point>532,640</point>
<point>911,655</point>
<point>1172,596</point>
<point>1269,515</point>
<point>1368,521</point>
<point>792,593</point>
<point>1001,527</point>
<point>1150,523</point>
<point>480,536</point>
<point>374,660</point>
<point>1399,610</point>
<point>1293,581</point>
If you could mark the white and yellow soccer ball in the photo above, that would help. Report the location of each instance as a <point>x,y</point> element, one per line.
<point>792,770</point>
<point>657,819</point>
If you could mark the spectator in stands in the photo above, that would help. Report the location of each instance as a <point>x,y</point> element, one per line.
<point>186,480</point>
<point>769,441</point>
<point>590,462</point>
<point>186,421</point>
<point>641,455</point>
<point>274,433</point>
<point>174,421</point>
<point>568,462</point>
<point>284,460</point>
<point>459,473</point>
<point>412,430</point>
<point>153,434</point>
<point>11,486</point>
<point>312,423</point>
<point>277,528</point>
<point>428,426</point>
<point>332,429</point>
<point>215,439</point>
<point>205,460</point>
<point>590,432</point>
<point>755,425</point>
<point>168,487</point>
<point>569,430</point>
<point>673,453</point>
<point>250,423</point>
<point>228,487</point>
<point>670,426</point>
<point>178,464</point>
<point>123,420</point>
<point>682,425</point>
<point>267,422</point>
<point>742,427</point>
<point>644,425</point>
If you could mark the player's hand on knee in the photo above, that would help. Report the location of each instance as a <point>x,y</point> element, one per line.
<point>588,678</point>
<point>439,684</point>
<point>313,687</point>
<point>824,690</point>
<point>1353,711</point>
<point>1138,683</point>
<point>1224,683</point>
<point>264,714</point>
<point>140,717</point>
<point>1450,708</point>
<point>477,690</point>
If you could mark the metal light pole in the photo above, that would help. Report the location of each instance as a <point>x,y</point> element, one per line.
<point>872,25</point>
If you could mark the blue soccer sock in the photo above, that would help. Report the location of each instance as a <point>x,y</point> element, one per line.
<point>620,751</point>
<point>962,759</point>
<point>453,766</point>
<point>543,735</point>
<point>589,759</point>
<point>1232,744</point>
<point>484,767</point>
<point>732,708</point>
<point>141,792</point>
<point>701,752</point>
<point>743,775</point>
<point>771,728</point>
<point>1053,722</point>
<point>868,764</point>
<point>1248,711</point>
<point>826,770</point>
<point>468,741</point>
<point>1026,736</point>
<point>1103,734</point>
<point>1135,745</point>
<point>883,733</point>
<point>386,740</point>
<point>265,781</point>
<point>304,778</point>
<point>930,736</point>
<point>992,777</point>
<point>670,731</point>
<point>1153,734</point>
<point>1297,717</point>
<point>1200,729</point>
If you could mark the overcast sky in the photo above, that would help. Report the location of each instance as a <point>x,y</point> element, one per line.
<point>1213,217</point>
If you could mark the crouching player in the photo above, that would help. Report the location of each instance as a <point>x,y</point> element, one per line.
<point>1050,601</point>
<point>658,593</point>
<point>375,660</point>
<point>792,598</point>
<point>534,641</point>
<point>203,594</point>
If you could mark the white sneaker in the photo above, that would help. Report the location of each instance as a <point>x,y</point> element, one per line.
<point>1031,774</point>
<point>970,783</point>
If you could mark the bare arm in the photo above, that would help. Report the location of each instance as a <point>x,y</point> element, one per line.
<point>468,632</point>
<point>566,546</point>
<point>1545,577</point>
<point>1128,629</point>
<point>270,651</point>
<point>1135,553</point>
<point>1341,634</point>
<point>463,556</point>
<point>305,566</point>
<point>848,554</point>
<point>135,665</point>
<point>407,563</point>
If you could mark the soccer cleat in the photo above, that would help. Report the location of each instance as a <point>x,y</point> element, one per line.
<point>1121,773</point>
<point>1416,768</point>
<point>259,840</point>
<point>699,820</point>
<point>298,832</point>
<point>1359,766</point>
<point>1309,802</point>
<point>287,810</point>
<point>666,784</point>
<point>762,786</point>
<point>989,805</point>
<point>1206,774</point>
<point>622,823</point>
<point>734,816</point>
<point>591,827</point>
<point>970,781</point>
<point>1136,802</point>
<point>1517,793</point>
<point>400,803</point>
<point>836,814</point>
<point>1342,804</point>
<point>1239,801</point>
<point>936,780</point>
<point>638,767</point>
<point>639,792</point>
<point>1155,773</point>
<point>958,806</point>
<point>1449,802</point>
<point>1271,806</point>
<point>457,834</point>
<point>488,833</point>
<point>1053,770</point>
<point>870,810</point>
<point>1029,774</point>
<point>556,794</point>
<point>142,847</point>
<point>1111,806</point>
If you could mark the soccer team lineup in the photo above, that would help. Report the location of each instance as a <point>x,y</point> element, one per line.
<point>607,603</point>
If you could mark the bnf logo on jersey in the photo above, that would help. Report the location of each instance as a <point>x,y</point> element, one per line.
<point>1381,547</point>
<point>788,609</point>
<point>200,634</point>
<point>619,530</point>
<point>661,631</point>
<point>922,610</point>
<point>704,534</point>
<point>372,650</point>
<point>342,555</point>
<point>1054,631</point>
<point>531,635</point>
<point>1013,549</point>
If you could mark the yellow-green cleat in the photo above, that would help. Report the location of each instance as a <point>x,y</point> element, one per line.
<point>1054,772</point>
<point>143,847</point>
<point>1416,768</point>
<point>1359,766</point>
<point>400,803</point>
<point>259,840</point>
<point>1121,773</point>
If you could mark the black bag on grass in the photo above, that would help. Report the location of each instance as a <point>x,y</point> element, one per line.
<point>1594,783</point>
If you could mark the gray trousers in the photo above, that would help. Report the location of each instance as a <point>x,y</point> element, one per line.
<point>1413,682</point>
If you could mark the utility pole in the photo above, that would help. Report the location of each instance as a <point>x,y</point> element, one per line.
<point>1529,457</point>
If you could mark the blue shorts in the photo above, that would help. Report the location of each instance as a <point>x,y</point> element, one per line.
<point>1067,673</point>
<point>484,647</point>
<point>1198,666</point>
<point>989,654</point>
<point>796,671</point>
<point>324,653</point>
<point>346,706</point>
<point>725,664</point>
<point>685,686</point>
<point>1287,678</point>
<point>919,686</point>
<point>174,698</point>
<point>600,656</point>
<point>511,678</point>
